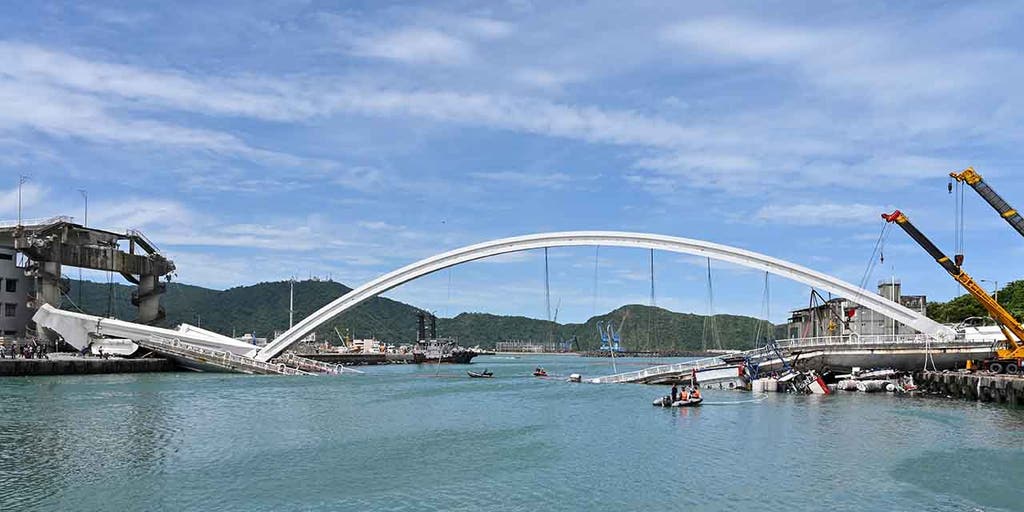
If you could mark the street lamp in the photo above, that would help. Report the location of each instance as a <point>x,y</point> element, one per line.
<point>85,222</point>
<point>995,284</point>
<point>21,181</point>
<point>85,195</point>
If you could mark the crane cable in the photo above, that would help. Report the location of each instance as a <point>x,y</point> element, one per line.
<point>877,255</point>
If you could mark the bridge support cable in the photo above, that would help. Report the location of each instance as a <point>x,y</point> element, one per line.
<point>710,331</point>
<point>650,310</point>
<point>765,318</point>
<point>593,306</point>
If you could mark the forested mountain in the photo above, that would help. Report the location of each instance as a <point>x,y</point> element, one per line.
<point>1011,297</point>
<point>263,309</point>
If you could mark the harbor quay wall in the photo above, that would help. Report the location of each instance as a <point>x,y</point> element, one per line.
<point>83,366</point>
<point>350,359</point>
<point>1008,389</point>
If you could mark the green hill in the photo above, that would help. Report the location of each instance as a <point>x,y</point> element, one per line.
<point>1011,297</point>
<point>263,309</point>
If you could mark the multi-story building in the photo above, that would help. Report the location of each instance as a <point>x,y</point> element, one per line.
<point>844,316</point>
<point>14,295</point>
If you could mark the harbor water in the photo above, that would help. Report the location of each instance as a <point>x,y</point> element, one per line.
<point>421,438</point>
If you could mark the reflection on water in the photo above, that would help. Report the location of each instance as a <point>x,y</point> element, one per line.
<point>429,438</point>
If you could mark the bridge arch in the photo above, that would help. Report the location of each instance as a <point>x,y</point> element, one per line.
<point>701,248</point>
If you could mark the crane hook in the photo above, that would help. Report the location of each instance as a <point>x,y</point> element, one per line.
<point>949,186</point>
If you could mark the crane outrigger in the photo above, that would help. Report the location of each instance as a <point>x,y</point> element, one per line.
<point>1008,358</point>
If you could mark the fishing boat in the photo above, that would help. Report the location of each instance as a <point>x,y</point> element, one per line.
<point>666,401</point>
<point>486,374</point>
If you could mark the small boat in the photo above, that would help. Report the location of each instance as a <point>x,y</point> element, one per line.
<point>540,372</point>
<point>486,374</point>
<point>666,401</point>
<point>575,378</point>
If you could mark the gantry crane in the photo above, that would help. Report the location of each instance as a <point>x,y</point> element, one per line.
<point>1008,358</point>
<point>972,178</point>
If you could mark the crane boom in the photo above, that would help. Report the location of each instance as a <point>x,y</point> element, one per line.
<point>1011,328</point>
<point>972,178</point>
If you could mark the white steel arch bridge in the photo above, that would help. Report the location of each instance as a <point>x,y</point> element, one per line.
<point>690,246</point>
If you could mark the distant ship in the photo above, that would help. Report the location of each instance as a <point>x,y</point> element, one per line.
<point>445,351</point>
<point>431,349</point>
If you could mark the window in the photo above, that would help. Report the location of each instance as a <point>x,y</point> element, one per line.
<point>12,285</point>
<point>5,256</point>
<point>10,310</point>
<point>10,333</point>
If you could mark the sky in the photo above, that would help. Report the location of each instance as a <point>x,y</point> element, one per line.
<point>259,141</point>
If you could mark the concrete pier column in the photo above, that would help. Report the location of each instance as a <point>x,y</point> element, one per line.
<point>48,284</point>
<point>149,299</point>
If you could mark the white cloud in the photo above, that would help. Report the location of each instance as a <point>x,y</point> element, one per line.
<point>32,194</point>
<point>139,213</point>
<point>547,78</point>
<point>527,179</point>
<point>485,28</point>
<point>822,214</point>
<point>417,46</point>
<point>739,38</point>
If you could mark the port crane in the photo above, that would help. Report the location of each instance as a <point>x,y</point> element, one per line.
<point>1008,358</point>
<point>972,178</point>
<point>610,337</point>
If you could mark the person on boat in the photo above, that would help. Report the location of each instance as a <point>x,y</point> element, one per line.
<point>695,394</point>
<point>685,395</point>
<point>675,392</point>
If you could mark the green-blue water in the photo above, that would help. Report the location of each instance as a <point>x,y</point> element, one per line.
<point>429,438</point>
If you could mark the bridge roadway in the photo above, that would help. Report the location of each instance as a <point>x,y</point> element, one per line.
<point>907,352</point>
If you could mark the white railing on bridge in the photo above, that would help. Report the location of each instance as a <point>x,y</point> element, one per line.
<point>37,222</point>
<point>873,341</point>
<point>221,358</point>
<point>795,344</point>
<point>654,371</point>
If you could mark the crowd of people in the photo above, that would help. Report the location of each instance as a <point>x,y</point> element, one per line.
<point>22,351</point>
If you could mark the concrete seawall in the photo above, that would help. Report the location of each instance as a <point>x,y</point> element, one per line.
<point>986,388</point>
<point>24,367</point>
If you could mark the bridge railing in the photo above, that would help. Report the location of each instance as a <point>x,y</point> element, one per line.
<point>37,222</point>
<point>216,357</point>
<point>870,341</point>
<point>787,347</point>
<point>661,370</point>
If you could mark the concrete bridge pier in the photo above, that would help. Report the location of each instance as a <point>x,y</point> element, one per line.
<point>147,298</point>
<point>48,284</point>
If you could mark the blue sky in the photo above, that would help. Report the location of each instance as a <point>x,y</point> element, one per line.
<point>256,142</point>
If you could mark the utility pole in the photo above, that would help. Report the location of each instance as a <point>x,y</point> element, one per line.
<point>85,223</point>
<point>85,196</point>
<point>21,181</point>
<point>291,302</point>
<point>995,283</point>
